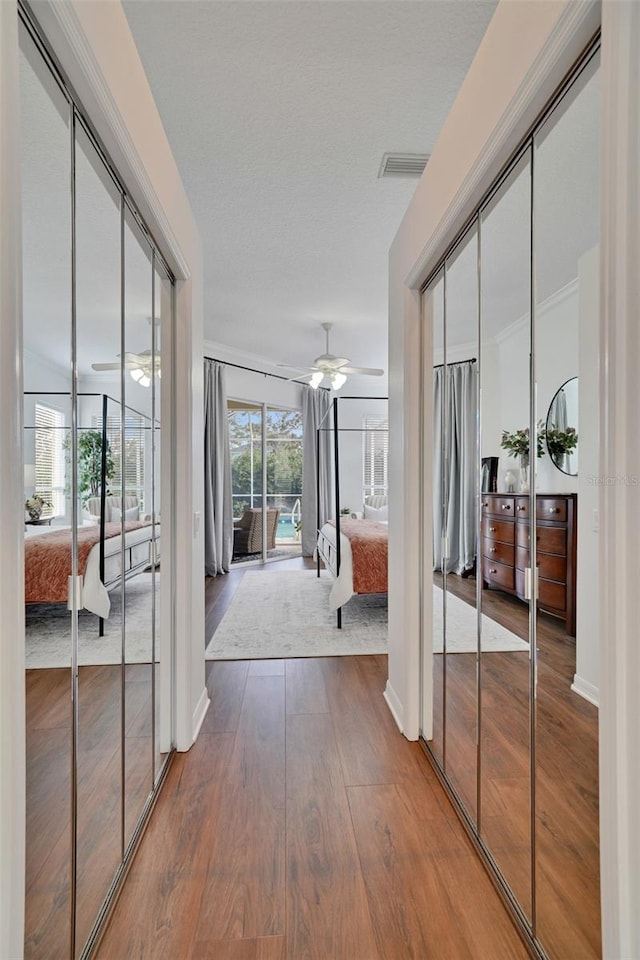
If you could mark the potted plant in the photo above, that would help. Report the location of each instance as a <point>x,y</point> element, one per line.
<point>35,505</point>
<point>517,445</point>
<point>560,443</point>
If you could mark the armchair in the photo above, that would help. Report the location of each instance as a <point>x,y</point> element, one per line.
<point>247,532</point>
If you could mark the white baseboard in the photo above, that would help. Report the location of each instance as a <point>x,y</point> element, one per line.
<point>394,704</point>
<point>585,689</point>
<point>200,713</point>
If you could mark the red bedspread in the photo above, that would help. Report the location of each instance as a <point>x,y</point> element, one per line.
<point>369,549</point>
<point>47,559</point>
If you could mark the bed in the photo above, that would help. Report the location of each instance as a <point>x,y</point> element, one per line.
<point>48,561</point>
<point>362,566</point>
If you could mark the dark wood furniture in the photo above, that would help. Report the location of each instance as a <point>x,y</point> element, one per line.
<point>505,549</point>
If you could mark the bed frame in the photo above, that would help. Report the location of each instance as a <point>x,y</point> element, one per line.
<point>325,550</point>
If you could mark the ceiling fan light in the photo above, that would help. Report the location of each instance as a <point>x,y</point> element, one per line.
<point>137,374</point>
<point>316,379</point>
<point>337,380</point>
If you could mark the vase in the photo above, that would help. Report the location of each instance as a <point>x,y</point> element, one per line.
<point>35,513</point>
<point>524,473</point>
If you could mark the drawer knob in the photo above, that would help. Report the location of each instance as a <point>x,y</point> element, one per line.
<point>522,507</point>
<point>492,529</point>
<point>554,510</point>
<point>506,506</point>
<point>492,549</point>
<point>493,570</point>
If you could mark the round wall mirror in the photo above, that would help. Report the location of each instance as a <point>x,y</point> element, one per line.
<point>562,428</point>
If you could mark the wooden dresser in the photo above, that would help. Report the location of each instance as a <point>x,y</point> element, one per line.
<point>505,549</point>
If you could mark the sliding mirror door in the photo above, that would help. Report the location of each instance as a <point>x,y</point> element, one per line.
<point>566,229</point>
<point>46,295</point>
<point>99,755</point>
<point>434,574</point>
<point>459,527</point>
<point>505,663</point>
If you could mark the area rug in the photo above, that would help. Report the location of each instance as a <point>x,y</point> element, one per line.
<point>286,614</point>
<point>462,628</point>
<point>48,630</point>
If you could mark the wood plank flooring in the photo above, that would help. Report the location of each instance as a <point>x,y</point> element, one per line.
<point>303,826</point>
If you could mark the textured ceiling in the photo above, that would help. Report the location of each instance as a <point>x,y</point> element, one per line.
<point>278,115</point>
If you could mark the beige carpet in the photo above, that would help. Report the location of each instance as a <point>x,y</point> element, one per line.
<point>462,628</point>
<point>286,614</point>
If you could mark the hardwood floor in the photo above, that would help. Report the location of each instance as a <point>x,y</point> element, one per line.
<point>303,826</point>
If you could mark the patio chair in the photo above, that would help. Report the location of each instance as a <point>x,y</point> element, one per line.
<point>247,532</point>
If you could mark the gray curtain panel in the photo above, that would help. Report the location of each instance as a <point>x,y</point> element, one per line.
<point>218,502</point>
<point>454,466</point>
<point>315,403</point>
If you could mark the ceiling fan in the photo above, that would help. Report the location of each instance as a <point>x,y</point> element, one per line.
<point>139,365</point>
<point>334,369</point>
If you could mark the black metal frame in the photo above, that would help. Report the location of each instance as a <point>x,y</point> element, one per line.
<point>325,550</point>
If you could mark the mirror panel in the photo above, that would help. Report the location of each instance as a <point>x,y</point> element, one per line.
<point>460,461</point>
<point>566,189</point>
<point>434,632</point>
<point>505,754</point>
<point>99,754</point>
<point>135,483</point>
<point>46,239</point>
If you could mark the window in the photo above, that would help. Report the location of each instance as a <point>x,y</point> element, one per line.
<point>375,456</point>
<point>134,437</point>
<point>50,459</point>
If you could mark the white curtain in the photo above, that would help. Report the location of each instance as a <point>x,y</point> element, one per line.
<point>218,502</point>
<point>315,404</point>
<point>454,465</point>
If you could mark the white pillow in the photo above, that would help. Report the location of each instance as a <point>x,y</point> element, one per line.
<point>133,513</point>
<point>376,513</point>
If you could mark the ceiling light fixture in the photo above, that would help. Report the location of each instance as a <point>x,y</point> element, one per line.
<point>337,379</point>
<point>140,377</point>
<point>316,379</point>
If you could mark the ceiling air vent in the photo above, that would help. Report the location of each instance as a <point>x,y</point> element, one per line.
<point>403,165</point>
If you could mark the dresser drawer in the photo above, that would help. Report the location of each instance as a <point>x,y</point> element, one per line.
<point>498,574</point>
<point>548,539</point>
<point>522,508</point>
<point>498,506</point>
<point>551,508</point>
<point>550,566</point>
<point>494,550</point>
<point>551,596</point>
<point>498,530</point>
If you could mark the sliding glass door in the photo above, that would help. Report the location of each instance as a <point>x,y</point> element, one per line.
<point>266,476</point>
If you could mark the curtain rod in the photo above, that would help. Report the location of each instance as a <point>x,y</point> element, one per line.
<point>262,373</point>
<point>455,363</point>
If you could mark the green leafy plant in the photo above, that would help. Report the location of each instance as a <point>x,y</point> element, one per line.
<point>345,511</point>
<point>90,464</point>
<point>560,442</point>
<point>517,443</point>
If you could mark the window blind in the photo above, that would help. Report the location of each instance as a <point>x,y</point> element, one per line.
<point>50,458</point>
<point>134,451</point>
<point>375,456</point>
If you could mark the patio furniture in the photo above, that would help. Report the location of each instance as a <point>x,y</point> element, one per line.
<point>247,532</point>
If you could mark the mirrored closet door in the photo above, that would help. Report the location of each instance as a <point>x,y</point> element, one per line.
<point>510,432</point>
<point>98,316</point>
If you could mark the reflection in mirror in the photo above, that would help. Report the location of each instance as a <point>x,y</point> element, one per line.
<point>46,300</point>
<point>458,533</point>
<point>434,341</point>
<point>99,755</point>
<point>566,335</point>
<point>134,484</point>
<point>505,782</point>
<point>561,434</point>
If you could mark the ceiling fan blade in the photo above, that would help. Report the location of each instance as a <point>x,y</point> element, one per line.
<point>105,366</point>
<point>363,371</point>
<point>303,376</point>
